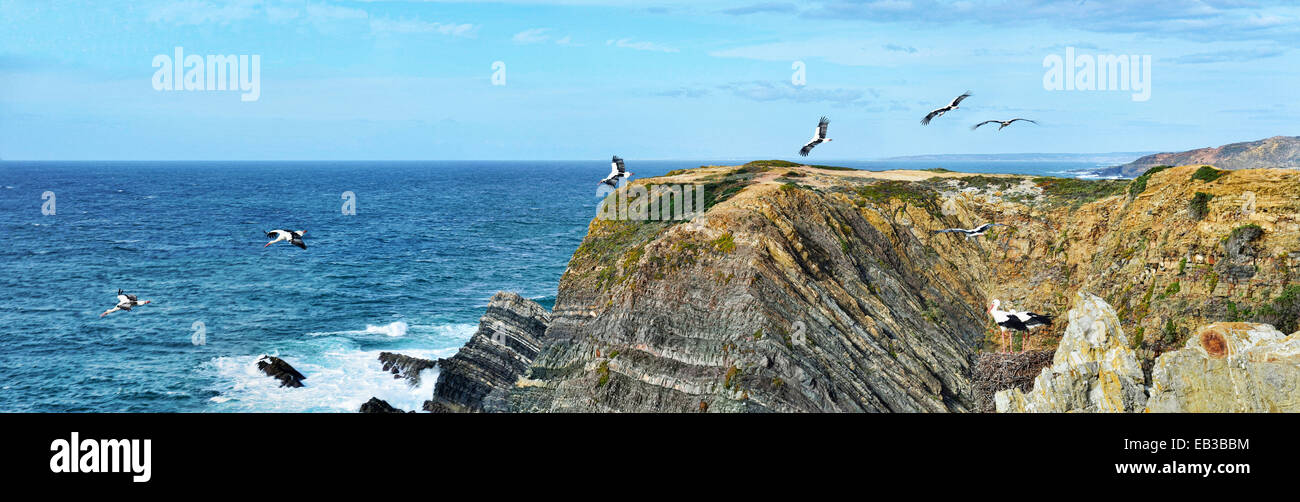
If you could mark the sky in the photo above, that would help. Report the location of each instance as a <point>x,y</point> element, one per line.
<point>665,79</point>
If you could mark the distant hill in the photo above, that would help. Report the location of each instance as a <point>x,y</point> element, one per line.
<point>1100,158</point>
<point>1278,151</point>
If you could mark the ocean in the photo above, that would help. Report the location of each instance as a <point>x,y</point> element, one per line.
<point>410,272</point>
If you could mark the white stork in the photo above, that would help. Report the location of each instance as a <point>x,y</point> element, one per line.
<point>819,135</point>
<point>1003,122</point>
<point>1016,320</point>
<point>617,171</point>
<point>124,302</point>
<point>293,236</point>
<point>971,233</point>
<point>940,111</point>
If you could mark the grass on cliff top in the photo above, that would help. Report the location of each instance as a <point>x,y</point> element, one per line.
<point>1208,174</point>
<point>911,193</point>
<point>1139,184</point>
<point>767,164</point>
<point>1073,192</point>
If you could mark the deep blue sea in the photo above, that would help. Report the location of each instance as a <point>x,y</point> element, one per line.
<point>411,272</point>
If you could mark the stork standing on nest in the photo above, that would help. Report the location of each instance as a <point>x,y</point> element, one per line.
<point>1019,321</point>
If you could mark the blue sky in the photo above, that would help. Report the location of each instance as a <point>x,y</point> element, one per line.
<point>663,79</point>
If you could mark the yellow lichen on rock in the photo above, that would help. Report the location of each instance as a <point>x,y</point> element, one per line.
<point>1229,367</point>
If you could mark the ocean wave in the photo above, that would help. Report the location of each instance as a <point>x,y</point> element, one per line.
<point>337,381</point>
<point>400,329</point>
<point>393,329</point>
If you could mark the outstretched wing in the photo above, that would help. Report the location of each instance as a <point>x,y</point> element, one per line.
<point>932,115</point>
<point>808,147</point>
<point>298,242</point>
<point>617,164</point>
<point>977,126</point>
<point>956,101</point>
<point>1022,120</point>
<point>946,230</point>
<point>821,127</point>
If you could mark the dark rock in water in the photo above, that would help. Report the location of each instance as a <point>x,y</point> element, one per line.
<point>478,377</point>
<point>376,405</point>
<point>276,368</point>
<point>995,372</point>
<point>405,366</point>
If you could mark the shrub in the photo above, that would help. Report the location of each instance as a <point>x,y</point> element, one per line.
<point>1208,174</point>
<point>1200,205</point>
<point>1139,184</point>
<point>1284,312</point>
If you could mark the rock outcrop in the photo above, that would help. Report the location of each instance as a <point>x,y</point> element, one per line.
<point>376,405</point>
<point>1093,370</point>
<point>508,338</point>
<point>1230,367</point>
<point>276,368</point>
<point>1278,151</point>
<point>402,366</point>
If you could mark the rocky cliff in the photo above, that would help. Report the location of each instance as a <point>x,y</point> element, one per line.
<point>508,338</point>
<point>1275,152</point>
<point>810,288</point>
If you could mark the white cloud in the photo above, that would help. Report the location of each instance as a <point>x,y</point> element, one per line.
<point>413,26</point>
<point>532,36</point>
<point>627,43</point>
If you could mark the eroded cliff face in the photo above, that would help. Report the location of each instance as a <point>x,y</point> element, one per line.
<point>474,380</point>
<point>814,289</point>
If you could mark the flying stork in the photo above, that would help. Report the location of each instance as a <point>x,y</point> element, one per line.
<point>940,111</point>
<point>1019,321</point>
<point>971,233</point>
<point>293,236</point>
<point>819,135</point>
<point>616,172</point>
<point>1003,122</point>
<point>124,302</point>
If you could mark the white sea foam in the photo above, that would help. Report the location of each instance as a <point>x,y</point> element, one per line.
<point>396,328</point>
<point>338,380</point>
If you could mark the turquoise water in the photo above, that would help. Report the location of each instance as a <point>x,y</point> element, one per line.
<point>411,272</point>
